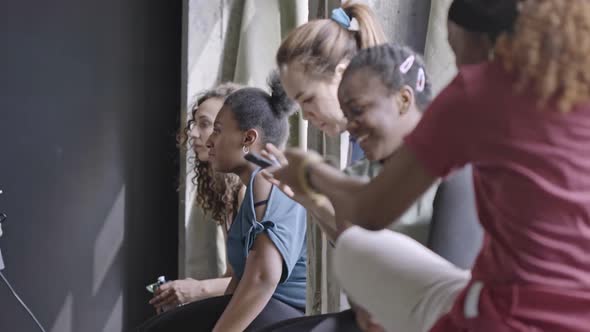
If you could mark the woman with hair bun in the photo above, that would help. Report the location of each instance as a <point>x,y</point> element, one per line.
<point>266,245</point>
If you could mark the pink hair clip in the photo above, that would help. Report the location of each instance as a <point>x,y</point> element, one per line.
<point>407,64</point>
<point>421,80</point>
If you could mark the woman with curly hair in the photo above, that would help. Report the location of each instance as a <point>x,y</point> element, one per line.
<point>520,114</point>
<point>218,195</point>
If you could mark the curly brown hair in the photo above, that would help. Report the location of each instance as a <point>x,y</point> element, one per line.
<point>549,51</point>
<point>217,194</point>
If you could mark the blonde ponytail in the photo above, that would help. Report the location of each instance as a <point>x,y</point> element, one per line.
<point>370,31</point>
<point>320,45</point>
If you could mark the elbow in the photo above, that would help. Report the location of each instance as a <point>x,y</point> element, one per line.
<point>360,212</point>
<point>378,222</point>
<point>372,221</point>
<point>366,212</point>
<point>373,226</point>
<point>267,280</point>
<point>350,207</point>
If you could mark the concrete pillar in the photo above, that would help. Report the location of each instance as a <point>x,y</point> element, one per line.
<point>404,21</point>
<point>211,30</point>
<point>440,60</point>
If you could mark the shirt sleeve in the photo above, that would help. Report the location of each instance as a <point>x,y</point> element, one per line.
<point>286,227</point>
<point>288,235</point>
<point>441,142</point>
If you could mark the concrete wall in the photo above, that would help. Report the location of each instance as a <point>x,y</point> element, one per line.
<point>439,56</point>
<point>404,21</point>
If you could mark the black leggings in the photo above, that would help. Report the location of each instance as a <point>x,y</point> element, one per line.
<point>203,315</point>
<point>339,322</point>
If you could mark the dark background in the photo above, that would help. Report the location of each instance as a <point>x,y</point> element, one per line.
<point>89,105</point>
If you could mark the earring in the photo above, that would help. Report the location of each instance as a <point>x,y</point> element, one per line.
<point>245,149</point>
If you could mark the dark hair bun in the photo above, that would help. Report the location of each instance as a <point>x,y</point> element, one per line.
<point>491,17</point>
<point>281,104</point>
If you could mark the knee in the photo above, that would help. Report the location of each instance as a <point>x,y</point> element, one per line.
<point>345,255</point>
<point>360,252</point>
<point>340,265</point>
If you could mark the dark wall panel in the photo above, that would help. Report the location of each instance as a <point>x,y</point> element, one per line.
<point>89,98</point>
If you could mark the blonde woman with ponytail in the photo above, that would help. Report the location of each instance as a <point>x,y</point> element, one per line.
<point>311,61</point>
<point>313,57</point>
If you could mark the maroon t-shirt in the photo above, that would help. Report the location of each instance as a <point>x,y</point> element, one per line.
<point>532,184</point>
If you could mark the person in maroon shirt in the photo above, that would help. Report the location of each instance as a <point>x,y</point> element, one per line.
<point>522,119</point>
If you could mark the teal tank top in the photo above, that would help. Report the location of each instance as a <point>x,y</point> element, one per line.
<point>285,223</point>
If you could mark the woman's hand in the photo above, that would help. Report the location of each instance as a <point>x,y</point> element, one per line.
<point>287,176</point>
<point>321,209</point>
<point>273,153</point>
<point>175,293</point>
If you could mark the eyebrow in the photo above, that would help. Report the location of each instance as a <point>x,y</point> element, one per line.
<point>359,102</point>
<point>350,100</point>
<point>298,95</point>
<point>203,117</point>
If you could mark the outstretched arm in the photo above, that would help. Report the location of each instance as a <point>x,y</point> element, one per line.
<point>370,205</point>
<point>322,210</point>
<point>261,277</point>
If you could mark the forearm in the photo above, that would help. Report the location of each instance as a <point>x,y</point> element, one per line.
<point>332,182</point>
<point>375,204</point>
<point>340,189</point>
<point>249,299</point>
<point>324,215</point>
<point>214,287</point>
<point>329,228</point>
<point>258,283</point>
<point>231,287</point>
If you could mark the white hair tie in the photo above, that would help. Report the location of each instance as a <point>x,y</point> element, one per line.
<point>354,25</point>
<point>407,65</point>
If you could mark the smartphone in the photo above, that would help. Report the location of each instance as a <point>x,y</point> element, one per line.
<point>153,287</point>
<point>258,160</point>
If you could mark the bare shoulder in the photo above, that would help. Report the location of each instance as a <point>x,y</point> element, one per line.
<point>241,195</point>
<point>260,193</point>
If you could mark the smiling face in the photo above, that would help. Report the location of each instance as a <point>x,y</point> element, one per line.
<point>202,126</point>
<point>377,118</point>
<point>316,97</point>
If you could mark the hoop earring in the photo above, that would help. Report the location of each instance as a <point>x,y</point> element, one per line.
<point>245,149</point>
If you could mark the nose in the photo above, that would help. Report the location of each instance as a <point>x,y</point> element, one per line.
<point>209,144</point>
<point>193,132</point>
<point>352,126</point>
<point>307,114</point>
